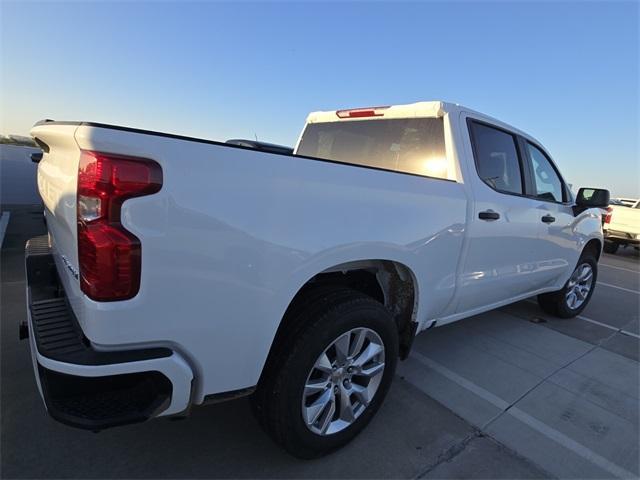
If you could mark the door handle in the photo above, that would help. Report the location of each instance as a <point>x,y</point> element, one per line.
<point>548,219</point>
<point>489,215</point>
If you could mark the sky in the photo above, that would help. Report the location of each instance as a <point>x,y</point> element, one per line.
<point>564,72</point>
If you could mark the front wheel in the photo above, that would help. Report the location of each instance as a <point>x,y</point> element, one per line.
<point>576,293</point>
<point>331,379</point>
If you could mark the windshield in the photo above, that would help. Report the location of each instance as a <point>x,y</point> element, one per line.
<point>411,145</point>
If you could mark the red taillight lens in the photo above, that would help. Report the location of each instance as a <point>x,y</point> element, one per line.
<point>607,217</point>
<point>109,255</point>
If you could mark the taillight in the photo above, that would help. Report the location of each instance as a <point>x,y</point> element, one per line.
<point>607,217</point>
<point>361,112</point>
<point>109,255</point>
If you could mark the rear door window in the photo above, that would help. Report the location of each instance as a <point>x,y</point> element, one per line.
<point>413,145</point>
<point>497,159</point>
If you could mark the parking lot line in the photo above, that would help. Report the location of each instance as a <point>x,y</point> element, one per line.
<point>4,221</point>
<point>570,444</point>
<point>620,268</point>
<point>590,320</point>
<point>631,334</point>
<point>535,424</point>
<point>619,288</point>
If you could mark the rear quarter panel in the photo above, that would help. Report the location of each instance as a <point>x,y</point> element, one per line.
<point>234,234</point>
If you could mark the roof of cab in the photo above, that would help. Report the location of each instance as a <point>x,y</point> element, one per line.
<point>427,109</point>
<point>418,109</point>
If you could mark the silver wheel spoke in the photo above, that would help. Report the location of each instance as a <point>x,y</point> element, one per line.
<point>362,394</point>
<point>315,386</point>
<point>342,348</point>
<point>326,421</point>
<point>356,344</point>
<point>346,407</point>
<point>314,410</point>
<point>579,286</point>
<point>372,371</point>
<point>323,363</point>
<point>367,355</point>
<point>343,381</point>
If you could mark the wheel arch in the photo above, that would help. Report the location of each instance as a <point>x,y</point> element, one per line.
<point>390,282</point>
<point>594,245</point>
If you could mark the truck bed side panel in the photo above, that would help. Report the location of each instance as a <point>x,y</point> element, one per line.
<point>234,233</point>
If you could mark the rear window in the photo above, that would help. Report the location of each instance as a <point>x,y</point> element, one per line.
<point>411,145</point>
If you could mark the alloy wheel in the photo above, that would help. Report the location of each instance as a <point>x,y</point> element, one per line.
<point>579,286</point>
<point>343,381</point>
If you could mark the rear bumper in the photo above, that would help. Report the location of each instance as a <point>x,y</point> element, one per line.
<point>89,388</point>
<point>621,237</point>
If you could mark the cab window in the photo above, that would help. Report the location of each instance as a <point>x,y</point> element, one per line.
<point>496,157</point>
<point>547,182</point>
<point>409,145</point>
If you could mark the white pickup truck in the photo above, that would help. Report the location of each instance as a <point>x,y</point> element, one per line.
<point>622,226</point>
<point>179,271</point>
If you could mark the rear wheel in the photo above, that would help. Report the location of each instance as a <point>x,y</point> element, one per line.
<point>330,381</point>
<point>576,293</point>
<point>610,247</point>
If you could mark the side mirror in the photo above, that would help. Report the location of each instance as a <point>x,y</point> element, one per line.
<point>591,198</point>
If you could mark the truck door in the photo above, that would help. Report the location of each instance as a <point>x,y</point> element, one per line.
<point>503,257</point>
<point>557,243</point>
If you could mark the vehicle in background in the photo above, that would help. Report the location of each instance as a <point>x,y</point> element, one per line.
<point>627,202</point>
<point>621,227</point>
<point>181,271</point>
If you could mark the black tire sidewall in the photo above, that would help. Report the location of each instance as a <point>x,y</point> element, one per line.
<point>370,315</point>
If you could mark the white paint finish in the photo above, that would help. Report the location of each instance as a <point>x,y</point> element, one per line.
<point>57,184</point>
<point>234,234</point>
<point>4,222</point>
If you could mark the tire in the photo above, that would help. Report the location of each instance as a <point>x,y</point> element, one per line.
<point>560,303</point>
<point>286,396</point>
<point>610,247</point>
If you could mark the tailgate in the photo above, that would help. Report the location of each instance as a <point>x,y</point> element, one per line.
<point>626,219</point>
<point>57,184</point>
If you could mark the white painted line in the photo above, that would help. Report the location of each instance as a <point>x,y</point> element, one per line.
<point>631,334</point>
<point>637,272</point>
<point>590,320</point>
<point>527,419</point>
<point>463,382</point>
<point>619,288</point>
<point>571,444</point>
<point>4,221</point>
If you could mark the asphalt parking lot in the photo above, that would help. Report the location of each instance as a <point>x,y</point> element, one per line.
<point>511,393</point>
